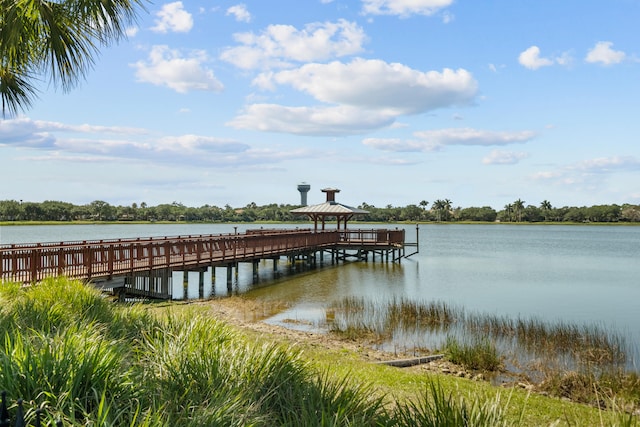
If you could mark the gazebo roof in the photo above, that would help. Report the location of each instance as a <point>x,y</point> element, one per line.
<point>329,209</point>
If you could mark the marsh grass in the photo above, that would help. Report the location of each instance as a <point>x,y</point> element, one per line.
<point>566,359</point>
<point>90,362</point>
<point>437,408</point>
<point>474,353</point>
<point>583,343</point>
<point>611,388</point>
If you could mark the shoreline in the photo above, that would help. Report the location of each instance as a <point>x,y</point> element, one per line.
<point>240,312</point>
<point>353,223</point>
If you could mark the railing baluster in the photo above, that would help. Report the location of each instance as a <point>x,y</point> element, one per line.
<point>106,258</point>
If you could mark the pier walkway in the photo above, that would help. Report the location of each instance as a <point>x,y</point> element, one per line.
<point>143,266</point>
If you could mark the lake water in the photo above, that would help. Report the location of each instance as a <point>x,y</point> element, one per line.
<point>576,274</point>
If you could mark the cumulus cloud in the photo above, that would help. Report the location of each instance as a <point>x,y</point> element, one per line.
<point>359,96</point>
<point>404,8</point>
<point>607,164</point>
<point>281,45</point>
<point>63,141</point>
<point>312,121</point>
<point>240,12</point>
<point>501,157</point>
<point>377,85</point>
<point>173,18</point>
<point>437,139</point>
<point>447,17</point>
<point>590,173</point>
<point>132,31</point>
<point>532,60</point>
<point>168,67</point>
<point>23,132</point>
<point>603,53</point>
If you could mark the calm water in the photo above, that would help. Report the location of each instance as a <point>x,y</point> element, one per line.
<point>577,274</point>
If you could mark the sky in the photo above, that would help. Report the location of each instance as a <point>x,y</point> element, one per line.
<point>393,102</point>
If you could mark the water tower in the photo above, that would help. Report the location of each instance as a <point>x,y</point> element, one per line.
<point>303,189</point>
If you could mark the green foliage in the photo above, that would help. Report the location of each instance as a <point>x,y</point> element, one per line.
<point>90,362</point>
<point>437,408</point>
<point>54,38</point>
<point>53,305</point>
<point>441,210</point>
<point>475,353</point>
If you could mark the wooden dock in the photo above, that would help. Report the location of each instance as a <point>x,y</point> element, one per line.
<point>143,267</point>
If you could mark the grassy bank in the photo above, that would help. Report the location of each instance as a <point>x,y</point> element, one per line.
<point>87,361</point>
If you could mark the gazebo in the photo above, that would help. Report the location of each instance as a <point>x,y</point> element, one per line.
<point>329,209</point>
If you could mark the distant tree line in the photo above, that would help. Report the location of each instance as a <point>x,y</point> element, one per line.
<point>441,210</point>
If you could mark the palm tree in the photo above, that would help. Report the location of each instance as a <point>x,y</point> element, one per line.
<point>441,207</point>
<point>447,207</point>
<point>508,209</point>
<point>518,207</point>
<point>546,208</point>
<point>58,38</point>
<point>423,205</point>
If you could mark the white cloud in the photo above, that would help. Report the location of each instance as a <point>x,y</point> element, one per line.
<point>394,144</point>
<point>62,142</point>
<point>240,12</point>
<point>377,85</point>
<point>132,31</point>
<point>590,174</point>
<point>167,67</point>
<point>361,96</point>
<point>531,59</point>
<point>437,139</point>
<point>279,45</point>
<point>317,121</point>
<point>24,132</point>
<point>607,164</point>
<point>501,157</point>
<point>603,53</point>
<point>198,143</point>
<point>173,18</point>
<point>404,8</point>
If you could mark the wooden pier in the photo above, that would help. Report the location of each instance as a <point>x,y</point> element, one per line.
<point>143,267</point>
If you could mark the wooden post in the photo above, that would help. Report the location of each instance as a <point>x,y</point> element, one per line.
<point>254,268</point>
<point>229,278</point>
<point>185,284</point>
<point>201,284</point>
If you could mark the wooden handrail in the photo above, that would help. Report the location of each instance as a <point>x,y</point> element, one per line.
<point>28,263</point>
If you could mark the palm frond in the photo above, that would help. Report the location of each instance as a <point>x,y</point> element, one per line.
<point>16,91</point>
<point>55,38</point>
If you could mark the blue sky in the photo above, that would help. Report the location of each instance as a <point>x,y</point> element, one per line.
<point>391,101</point>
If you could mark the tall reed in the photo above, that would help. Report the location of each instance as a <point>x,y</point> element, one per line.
<point>90,362</point>
<point>584,343</point>
<point>436,408</point>
<point>473,353</point>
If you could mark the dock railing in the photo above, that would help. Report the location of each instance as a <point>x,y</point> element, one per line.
<point>28,263</point>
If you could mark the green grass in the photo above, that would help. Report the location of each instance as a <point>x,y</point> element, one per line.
<point>87,361</point>
<point>478,354</point>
